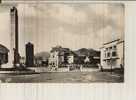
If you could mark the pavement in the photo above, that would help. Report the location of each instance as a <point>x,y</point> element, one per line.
<point>64,77</point>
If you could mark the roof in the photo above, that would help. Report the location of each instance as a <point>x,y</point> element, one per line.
<point>117,40</point>
<point>71,53</point>
<point>120,42</point>
<point>3,49</point>
<point>59,49</point>
<point>111,41</point>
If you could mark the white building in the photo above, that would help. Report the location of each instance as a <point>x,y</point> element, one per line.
<point>71,59</point>
<point>112,54</point>
<point>58,56</point>
<point>54,59</point>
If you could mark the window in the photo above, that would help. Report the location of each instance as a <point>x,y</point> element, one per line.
<point>105,54</point>
<point>114,47</point>
<point>106,49</point>
<point>110,48</point>
<point>108,54</point>
<point>114,54</point>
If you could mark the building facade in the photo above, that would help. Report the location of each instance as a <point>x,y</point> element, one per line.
<point>3,55</point>
<point>73,58</point>
<point>112,54</point>
<point>58,56</point>
<point>29,55</point>
<point>54,59</point>
<point>63,57</point>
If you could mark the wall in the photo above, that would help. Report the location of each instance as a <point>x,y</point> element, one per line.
<point>120,54</point>
<point>116,62</point>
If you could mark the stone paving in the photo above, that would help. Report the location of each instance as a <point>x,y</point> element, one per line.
<point>64,77</point>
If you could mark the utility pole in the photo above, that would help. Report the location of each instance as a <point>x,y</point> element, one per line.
<point>111,64</point>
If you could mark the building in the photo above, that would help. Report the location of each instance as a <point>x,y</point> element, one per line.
<point>41,61</point>
<point>112,54</point>
<point>73,58</point>
<point>88,56</point>
<point>63,58</point>
<point>3,55</point>
<point>53,59</point>
<point>29,55</point>
<point>58,56</point>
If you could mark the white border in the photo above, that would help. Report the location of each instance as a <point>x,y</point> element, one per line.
<point>85,91</point>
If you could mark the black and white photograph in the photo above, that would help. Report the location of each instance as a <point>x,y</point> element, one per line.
<point>62,43</point>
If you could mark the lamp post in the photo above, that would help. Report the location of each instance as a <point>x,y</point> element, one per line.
<point>111,64</point>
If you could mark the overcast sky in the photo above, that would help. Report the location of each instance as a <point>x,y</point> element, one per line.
<point>69,25</point>
<point>5,26</point>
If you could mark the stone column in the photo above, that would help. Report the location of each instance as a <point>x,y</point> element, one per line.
<point>14,36</point>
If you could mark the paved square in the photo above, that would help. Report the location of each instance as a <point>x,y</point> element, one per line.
<point>65,77</point>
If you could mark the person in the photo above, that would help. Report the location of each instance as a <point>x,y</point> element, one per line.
<point>81,67</point>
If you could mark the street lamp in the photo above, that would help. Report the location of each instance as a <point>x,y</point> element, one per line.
<point>111,64</point>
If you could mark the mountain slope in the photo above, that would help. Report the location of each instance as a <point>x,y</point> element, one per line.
<point>43,55</point>
<point>87,52</point>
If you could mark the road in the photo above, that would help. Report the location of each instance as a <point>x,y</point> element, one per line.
<point>64,77</point>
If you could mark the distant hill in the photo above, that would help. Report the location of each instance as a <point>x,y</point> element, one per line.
<point>45,55</point>
<point>87,52</point>
<point>79,52</point>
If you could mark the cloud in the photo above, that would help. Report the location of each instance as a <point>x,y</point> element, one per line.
<point>27,10</point>
<point>63,24</point>
<point>68,14</point>
<point>5,26</point>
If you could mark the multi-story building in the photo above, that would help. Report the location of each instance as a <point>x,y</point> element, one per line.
<point>112,54</point>
<point>63,56</point>
<point>58,56</point>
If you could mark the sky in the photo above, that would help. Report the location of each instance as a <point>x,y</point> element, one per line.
<point>70,25</point>
<point>4,26</point>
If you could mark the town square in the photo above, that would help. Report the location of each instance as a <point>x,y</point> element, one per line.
<point>62,43</point>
